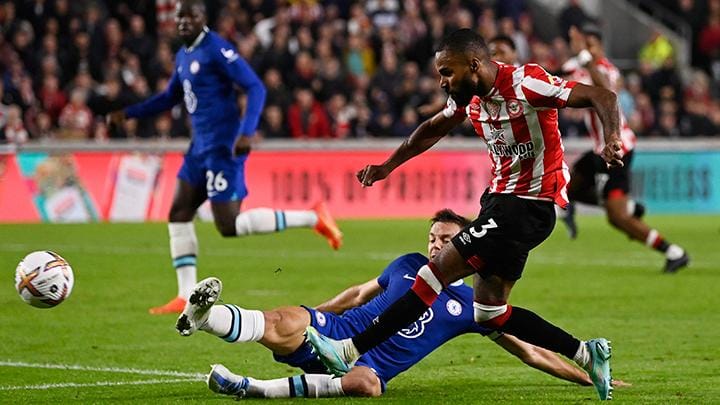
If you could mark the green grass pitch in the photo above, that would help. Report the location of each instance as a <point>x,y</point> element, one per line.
<point>665,328</point>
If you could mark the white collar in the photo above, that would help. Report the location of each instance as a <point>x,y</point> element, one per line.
<point>199,39</point>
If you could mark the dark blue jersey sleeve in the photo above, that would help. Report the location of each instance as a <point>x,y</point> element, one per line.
<point>240,72</point>
<point>409,263</point>
<point>158,103</point>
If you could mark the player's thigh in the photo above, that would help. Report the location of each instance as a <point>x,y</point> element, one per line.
<point>224,215</point>
<point>189,190</point>
<point>225,187</point>
<point>451,264</point>
<point>582,180</point>
<point>508,227</point>
<point>491,290</point>
<point>186,201</point>
<point>225,176</point>
<point>618,179</point>
<point>285,328</point>
<point>361,381</point>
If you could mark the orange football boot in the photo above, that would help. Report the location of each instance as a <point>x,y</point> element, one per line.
<point>326,226</point>
<point>175,306</point>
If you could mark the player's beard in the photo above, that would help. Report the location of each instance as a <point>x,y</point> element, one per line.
<point>466,89</point>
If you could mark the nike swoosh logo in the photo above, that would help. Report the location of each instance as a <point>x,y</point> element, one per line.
<point>407,277</point>
<point>229,54</point>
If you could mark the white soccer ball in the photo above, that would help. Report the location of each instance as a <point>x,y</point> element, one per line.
<point>44,279</point>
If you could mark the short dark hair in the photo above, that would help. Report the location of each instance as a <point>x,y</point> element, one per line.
<point>464,40</point>
<point>505,39</point>
<point>195,3</point>
<point>592,30</point>
<point>448,215</point>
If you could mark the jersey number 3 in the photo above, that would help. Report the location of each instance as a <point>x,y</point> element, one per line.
<point>490,225</point>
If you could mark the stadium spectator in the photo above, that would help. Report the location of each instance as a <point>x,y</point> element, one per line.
<point>656,50</point>
<point>76,118</point>
<point>14,130</point>
<point>330,46</point>
<point>306,116</point>
<point>273,123</point>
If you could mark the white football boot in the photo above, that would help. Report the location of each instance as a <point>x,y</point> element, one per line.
<point>197,309</point>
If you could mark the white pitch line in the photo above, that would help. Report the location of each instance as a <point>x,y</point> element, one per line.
<point>96,384</point>
<point>167,373</point>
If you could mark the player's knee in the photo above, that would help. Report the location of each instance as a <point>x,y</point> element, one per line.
<point>491,316</point>
<point>226,229</point>
<point>365,384</point>
<point>180,214</point>
<point>617,218</point>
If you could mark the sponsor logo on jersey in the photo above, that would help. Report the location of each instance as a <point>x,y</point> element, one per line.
<point>465,238</point>
<point>454,308</point>
<point>524,150</point>
<point>229,54</point>
<point>418,327</point>
<point>320,318</point>
<point>194,67</point>
<point>493,109</point>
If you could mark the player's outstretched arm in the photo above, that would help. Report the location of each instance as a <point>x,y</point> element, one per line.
<point>158,103</point>
<point>427,134</point>
<point>351,297</point>
<point>605,104</point>
<point>543,360</point>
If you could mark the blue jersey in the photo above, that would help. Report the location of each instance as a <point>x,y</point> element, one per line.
<point>204,78</point>
<point>451,315</point>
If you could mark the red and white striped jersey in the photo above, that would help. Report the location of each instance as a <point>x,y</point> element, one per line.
<point>592,120</point>
<point>518,120</point>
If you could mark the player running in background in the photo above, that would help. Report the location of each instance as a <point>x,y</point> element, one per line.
<point>514,111</point>
<point>502,49</point>
<point>281,330</point>
<point>207,68</point>
<point>592,182</point>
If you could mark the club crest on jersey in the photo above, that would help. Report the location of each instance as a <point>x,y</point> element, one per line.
<point>454,308</point>
<point>418,327</point>
<point>514,108</point>
<point>320,318</point>
<point>493,109</point>
<point>194,67</point>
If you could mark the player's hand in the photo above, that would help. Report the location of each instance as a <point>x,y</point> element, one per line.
<point>612,153</point>
<point>371,173</point>
<point>577,40</point>
<point>620,383</point>
<point>242,146</point>
<point>115,119</point>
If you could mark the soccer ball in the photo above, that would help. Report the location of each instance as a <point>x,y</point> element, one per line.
<point>44,279</point>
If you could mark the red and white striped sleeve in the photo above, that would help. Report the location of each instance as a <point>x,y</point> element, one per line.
<point>543,90</point>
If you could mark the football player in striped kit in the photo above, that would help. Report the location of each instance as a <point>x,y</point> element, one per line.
<point>514,111</point>
<point>592,182</point>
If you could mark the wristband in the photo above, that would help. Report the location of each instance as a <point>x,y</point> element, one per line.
<point>584,57</point>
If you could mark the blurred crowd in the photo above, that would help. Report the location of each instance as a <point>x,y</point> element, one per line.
<point>332,68</point>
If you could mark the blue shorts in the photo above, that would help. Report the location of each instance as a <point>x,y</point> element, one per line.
<point>336,327</point>
<point>218,172</point>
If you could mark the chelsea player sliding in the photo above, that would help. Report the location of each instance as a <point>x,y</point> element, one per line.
<point>207,71</point>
